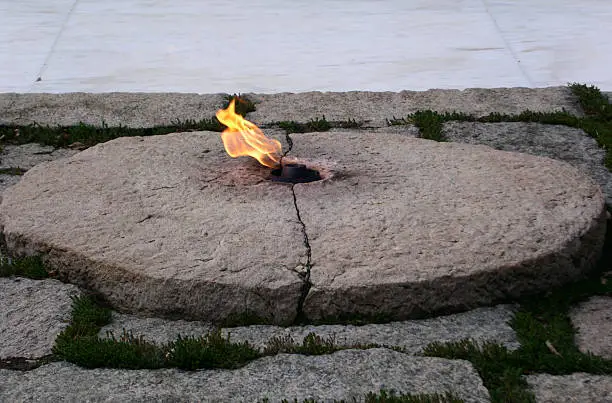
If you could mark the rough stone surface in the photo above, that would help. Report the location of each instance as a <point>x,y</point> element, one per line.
<point>559,142</point>
<point>28,155</point>
<point>166,225</point>
<point>482,324</point>
<point>343,375</point>
<point>32,314</point>
<point>6,100</point>
<point>169,225</point>
<point>155,330</point>
<point>593,321</point>
<point>574,388</point>
<point>126,109</point>
<point>409,226</point>
<point>7,181</point>
<point>375,108</point>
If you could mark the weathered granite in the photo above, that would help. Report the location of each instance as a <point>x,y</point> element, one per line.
<point>32,314</point>
<point>401,227</point>
<point>593,322</point>
<point>166,225</point>
<point>375,108</point>
<point>564,143</point>
<point>481,324</point>
<point>116,108</point>
<point>7,181</point>
<point>574,388</point>
<point>343,375</point>
<point>410,226</point>
<point>26,156</point>
<point>6,100</point>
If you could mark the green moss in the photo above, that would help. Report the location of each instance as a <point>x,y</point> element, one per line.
<point>311,345</point>
<point>546,335</point>
<point>597,122</point>
<point>30,267</point>
<point>12,171</point>
<point>89,135</point>
<point>209,351</point>
<point>315,125</point>
<point>499,369</point>
<point>79,343</point>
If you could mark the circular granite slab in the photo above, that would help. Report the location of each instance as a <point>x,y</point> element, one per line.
<point>399,227</point>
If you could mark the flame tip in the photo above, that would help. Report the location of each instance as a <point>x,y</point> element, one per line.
<point>242,138</point>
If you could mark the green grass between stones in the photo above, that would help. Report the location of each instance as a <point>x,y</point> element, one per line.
<point>89,135</point>
<point>597,121</point>
<point>30,267</point>
<point>546,335</point>
<point>315,125</point>
<point>79,343</point>
<point>13,171</point>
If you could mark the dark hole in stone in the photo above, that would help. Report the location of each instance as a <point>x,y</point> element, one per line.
<point>294,173</point>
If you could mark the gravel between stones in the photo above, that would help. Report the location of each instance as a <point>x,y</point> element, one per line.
<point>343,375</point>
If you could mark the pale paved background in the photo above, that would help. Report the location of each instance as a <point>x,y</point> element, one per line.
<point>289,45</point>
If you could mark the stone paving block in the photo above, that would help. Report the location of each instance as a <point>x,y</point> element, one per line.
<point>114,109</point>
<point>6,100</point>
<point>593,322</point>
<point>563,143</point>
<point>482,324</point>
<point>375,108</point>
<point>343,375</point>
<point>574,388</point>
<point>32,314</point>
<point>27,156</point>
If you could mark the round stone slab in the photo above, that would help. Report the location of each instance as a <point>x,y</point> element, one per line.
<point>164,225</point>
<point>399,227</point>
<point>408,226</point>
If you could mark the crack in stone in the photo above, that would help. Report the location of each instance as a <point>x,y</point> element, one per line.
<point>305,276</point>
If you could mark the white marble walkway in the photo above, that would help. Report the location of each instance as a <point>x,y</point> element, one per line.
<point>290,45</point>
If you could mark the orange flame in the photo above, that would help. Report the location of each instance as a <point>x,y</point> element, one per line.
<point>244,138</point>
